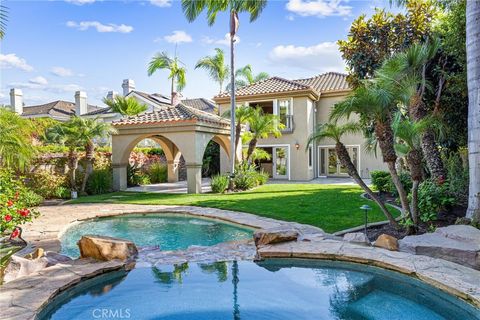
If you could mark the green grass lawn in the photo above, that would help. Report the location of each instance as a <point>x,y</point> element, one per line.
<point>330,207</point>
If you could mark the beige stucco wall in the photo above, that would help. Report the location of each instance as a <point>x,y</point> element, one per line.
<point>367,160</point>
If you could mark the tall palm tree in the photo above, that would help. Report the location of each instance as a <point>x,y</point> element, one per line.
<point>375,105</point>
<point>473,74</point>
<point>162,61</point>
<point>248,77</point>
<point>262,126</point>
<point>410,65</point>
<point>193,8</point>
<point>15,144</point>
<point>125,106</point>
<point>215,66</point>
<point>336,132</point>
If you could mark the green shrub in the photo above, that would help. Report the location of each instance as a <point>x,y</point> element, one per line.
<point>143,178</point>
<point>157,173</point>
<point>219,183</point>
<point>262,177</point>
<point>32,199</point>
<point>457,177</point>
<point>245,176</point>
<point>432,198</point>
<point>380,180</point>
<point>48,184</point>
<point>99,181</point>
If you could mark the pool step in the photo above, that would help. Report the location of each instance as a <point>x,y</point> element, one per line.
<point>379,305</point>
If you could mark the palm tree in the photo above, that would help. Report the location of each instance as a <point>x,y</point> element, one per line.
<point>193,8</point>
<point>3,20</point>
<point>243,115</point>
<point>409,133</point>
<point>15,144</point>
<point>473,73</point>
<point>261,127</point>
<point>248,77</point>
<point>177,73</point>
<point>336,132</point>
<point>215,66</point>
<point>88,131</point>
<point>125,106</point>
<point>375,105</point>
<point>409,66</point>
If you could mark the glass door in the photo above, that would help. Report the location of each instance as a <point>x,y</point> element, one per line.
<point>329,164</point>
<point>280,163</point>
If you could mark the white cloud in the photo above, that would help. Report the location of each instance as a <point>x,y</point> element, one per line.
<point>224,42</point>
<point>100,27</point>
<point>61,72</point>
<point>178,36</point>
<point>318,8</point>
<point>80,2</point>
<point>38,85</point>
<point>38,80</point>
<point>8,61</point>
<point>161,3</point>
<point>322,57</point>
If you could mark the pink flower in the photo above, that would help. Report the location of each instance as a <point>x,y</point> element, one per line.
<point>15,233</point>
<point>8,218</point>
<point>24,212</point>
<point>9,203</point>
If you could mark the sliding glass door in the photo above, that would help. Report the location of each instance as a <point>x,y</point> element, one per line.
<point>329,164</point>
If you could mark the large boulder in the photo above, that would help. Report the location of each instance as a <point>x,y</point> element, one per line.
<point>106,248</point>
<point>456,243</point>
<point>387,242</point>
<point>274,235</point>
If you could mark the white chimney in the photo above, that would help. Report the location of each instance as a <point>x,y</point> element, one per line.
<point>111,95</point>
<point>16,100</point>
<point>80,103</point>
<point>176,98</point>
<point>128,86</point>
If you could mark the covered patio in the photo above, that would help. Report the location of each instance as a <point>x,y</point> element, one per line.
<point>179,130</point>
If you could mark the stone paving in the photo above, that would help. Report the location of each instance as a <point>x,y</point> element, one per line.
<point>24,296</point>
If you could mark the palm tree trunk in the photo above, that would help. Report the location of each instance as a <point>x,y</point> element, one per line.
<point>89,149</point>
<point>346,161</point>
<point>233,148</point>
<point>414,161</point>
<point>251,147</point>
<point>400,189</point>
<point>72,166</point>
<point>415,212</point>
<point>473,75</point>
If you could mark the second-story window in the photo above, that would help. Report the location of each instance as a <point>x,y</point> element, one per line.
<point>284,111</point>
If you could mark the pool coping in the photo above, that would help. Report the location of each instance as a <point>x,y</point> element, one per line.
<point>455,279</point>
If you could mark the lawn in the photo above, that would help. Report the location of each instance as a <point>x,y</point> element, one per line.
<point>330,207</point>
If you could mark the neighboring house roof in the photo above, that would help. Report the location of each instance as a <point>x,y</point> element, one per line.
<point>179,113</point>
<point>55,109</point>
<point>270,85</point>
<point>201,104</point>
<point>323,83</point>
<point>330,81</point>
<point>154,98</point>
<point>99,111</point>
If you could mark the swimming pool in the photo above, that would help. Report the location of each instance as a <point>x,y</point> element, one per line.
<point>273,289</point>
<point>170,232</point>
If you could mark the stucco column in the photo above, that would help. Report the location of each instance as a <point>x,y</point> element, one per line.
<point>172,167</point>
<point>119,177</point>
<point>194,177</point>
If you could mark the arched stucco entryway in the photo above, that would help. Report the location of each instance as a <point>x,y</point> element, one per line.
<point>180,130</point>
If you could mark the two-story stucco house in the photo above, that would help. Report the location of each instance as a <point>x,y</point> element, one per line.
<point>301,105</point>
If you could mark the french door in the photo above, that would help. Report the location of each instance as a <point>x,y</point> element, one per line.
<point>329,164</point>
<point>280,162</point>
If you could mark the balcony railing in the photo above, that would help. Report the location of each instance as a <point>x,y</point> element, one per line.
<point>287,120</point>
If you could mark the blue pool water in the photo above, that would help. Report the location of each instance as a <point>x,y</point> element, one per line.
<point>170,232</point>
<point>273,289</point>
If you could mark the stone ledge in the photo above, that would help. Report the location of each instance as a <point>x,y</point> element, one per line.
<point>450,277</point>
<point>24,297</point>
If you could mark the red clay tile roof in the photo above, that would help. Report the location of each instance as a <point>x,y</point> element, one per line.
<point>326,82</point>
<point>270,85</point>
<point>179,113</point>
<point>330,81</point>
<point>200,104</point>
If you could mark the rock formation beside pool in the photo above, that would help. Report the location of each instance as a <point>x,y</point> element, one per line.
<point>106,248</point>
<point>356,237</point>
<point>274,235</point>
<point>456,243</point>
<point>387,242</point>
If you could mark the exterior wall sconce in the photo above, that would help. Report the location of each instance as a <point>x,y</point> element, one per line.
<point>297,145</point>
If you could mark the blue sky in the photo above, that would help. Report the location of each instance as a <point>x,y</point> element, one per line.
<point>53,48</point>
